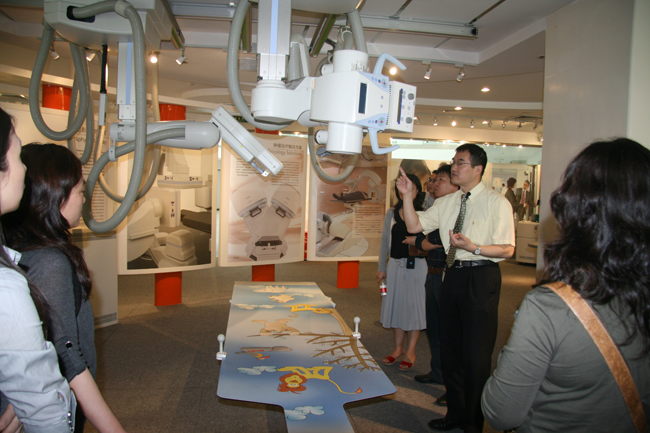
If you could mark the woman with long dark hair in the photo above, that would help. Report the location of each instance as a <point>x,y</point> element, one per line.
<point>403,307</point>
<point>40,229</point>
<point>29,375</point>
<point>551,377</point>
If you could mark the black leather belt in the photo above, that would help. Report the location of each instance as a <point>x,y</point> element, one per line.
<point>433,270</point>
<point>470,263</point>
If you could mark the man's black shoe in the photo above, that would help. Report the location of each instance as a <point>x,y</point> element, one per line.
<point>442,424</point>
<point>442,400</point>
<point>424,378</point>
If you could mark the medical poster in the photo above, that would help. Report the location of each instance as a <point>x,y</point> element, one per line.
<point>170,228</point>
<point>346,218</point>
<point>262,218</point>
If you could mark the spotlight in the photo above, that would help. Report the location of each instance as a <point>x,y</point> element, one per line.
<point>490,124</point>
<point>435,121</point>
<point>393,70</point>
<point>519,126</point>
<point>427,74</point>
<point>485,122</point>
<point>153,58</point>
<point>181,59</point>
<point>453,122</point>
<point>458,108</point>
<point>416,119</point>
<point>485,89</point>
<point>461,75</point>
<point>503,125</point>
<point>535,127</point>
<point>53,53</point>
<point>90,55</point>
<point>471,124</point>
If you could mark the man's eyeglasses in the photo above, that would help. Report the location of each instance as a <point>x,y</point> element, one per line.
<point>458,163</point>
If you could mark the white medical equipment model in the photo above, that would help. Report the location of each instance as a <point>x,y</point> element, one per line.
<point>347,98</point>
<point>267,224</point>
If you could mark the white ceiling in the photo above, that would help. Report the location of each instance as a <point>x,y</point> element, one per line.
<point>507,55</point>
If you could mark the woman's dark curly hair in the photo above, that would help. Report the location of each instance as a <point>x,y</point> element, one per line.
<point>603,212</point>
<point>52,172</point>
<point>419,198</point>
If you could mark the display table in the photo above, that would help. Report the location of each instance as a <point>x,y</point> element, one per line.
<point>286,345</point>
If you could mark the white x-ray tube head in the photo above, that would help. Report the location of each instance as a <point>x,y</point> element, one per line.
<point>244,144</point>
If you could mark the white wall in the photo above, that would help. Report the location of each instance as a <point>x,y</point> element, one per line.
<point>638,124</point>
<point>588,87</point>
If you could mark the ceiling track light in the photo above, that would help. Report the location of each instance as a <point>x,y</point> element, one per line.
<point>490,124</point>
<point>535,127</point>
<point>427,74</point>
<point>519,126</point>
<point>471,124</point>
<point>435,121</point>
<point>417,119</point>
<point>53,53</point>
<point>453,122</point>
<point>503,125</point>
<point>90,55</point>
<point>181,59</point>
<point>461,75</point>
<point>153,58</point>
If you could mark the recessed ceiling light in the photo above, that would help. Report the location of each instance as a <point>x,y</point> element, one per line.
<point>485,89</point>
<point>458,108</point>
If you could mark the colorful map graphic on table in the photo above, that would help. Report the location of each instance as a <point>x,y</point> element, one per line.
<point>286,345</point>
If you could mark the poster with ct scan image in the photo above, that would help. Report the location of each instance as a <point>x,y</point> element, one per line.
<point>262,218</point>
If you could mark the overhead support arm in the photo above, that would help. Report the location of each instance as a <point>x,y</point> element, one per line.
<point>247,32</point>
<point>321,33</point>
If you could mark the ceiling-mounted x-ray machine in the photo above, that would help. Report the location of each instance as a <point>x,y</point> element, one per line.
<point>344,97</point>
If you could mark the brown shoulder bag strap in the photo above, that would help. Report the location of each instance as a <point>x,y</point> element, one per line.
<point>607,348</point>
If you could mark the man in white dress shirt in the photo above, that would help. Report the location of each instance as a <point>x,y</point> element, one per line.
<point>469,296</point>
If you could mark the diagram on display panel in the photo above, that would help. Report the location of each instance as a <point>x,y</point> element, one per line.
<point>267,220</point>
<point>298,354</point>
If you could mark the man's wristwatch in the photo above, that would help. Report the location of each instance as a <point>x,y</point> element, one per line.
<point>477,251</point>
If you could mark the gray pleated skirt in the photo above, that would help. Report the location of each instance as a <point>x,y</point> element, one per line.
<point>404,306</point>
